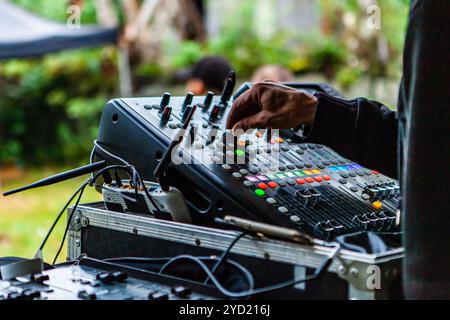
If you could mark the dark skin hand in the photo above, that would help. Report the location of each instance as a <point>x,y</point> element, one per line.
<point>271,105</point>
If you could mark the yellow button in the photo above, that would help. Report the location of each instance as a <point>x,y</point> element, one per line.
<point>316,171</point>
<point>258,134</point>
<point>377,205</point>
<point>307,172</point>
<point>279,140</point>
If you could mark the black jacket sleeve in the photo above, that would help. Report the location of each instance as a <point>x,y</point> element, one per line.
<point>424,114</point>
<point>361,130</point>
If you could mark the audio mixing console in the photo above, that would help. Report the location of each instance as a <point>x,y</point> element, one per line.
<point>91,279</point>
<point>265,175</point>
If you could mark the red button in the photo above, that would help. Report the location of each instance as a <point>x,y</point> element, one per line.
<point>273,185</point>
<point>318,179</point>
<point>309,180</point>
<point>327,178</point>
<point>375,172</point>
<point>263,186</point>
<point>300,181</point>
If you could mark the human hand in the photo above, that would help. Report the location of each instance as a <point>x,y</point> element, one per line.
<point>271,105</point>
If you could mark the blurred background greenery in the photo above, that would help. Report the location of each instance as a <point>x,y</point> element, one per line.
<point>50,106</point>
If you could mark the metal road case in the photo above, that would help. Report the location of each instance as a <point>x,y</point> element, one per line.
<point>104,234</point>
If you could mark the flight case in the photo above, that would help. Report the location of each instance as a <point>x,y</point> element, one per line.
<point>100,233</point>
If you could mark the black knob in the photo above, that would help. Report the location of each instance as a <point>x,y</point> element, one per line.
<point>208,100</point>
<point>187,101</point>
<point>120,276</point>
<point>228,89</point>
<point>39,277</point>
<point>193,132</point>
<point>181,291</point>
<point>164,101</point>
<point>105,277</point>
<point>84,295</point>
<point>158,296</point>
<point>166,113</point>
<point>216,110</point>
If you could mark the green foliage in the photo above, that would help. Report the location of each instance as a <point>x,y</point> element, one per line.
<point>239,43</point>
<point>49,107</point>
<point>57,9</point>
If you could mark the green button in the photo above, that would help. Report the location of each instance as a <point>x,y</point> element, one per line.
<point>240,153</point>
<point>299,173</point>
<point>260,192</point>
<point>290,174</point>
<point>271,176</point>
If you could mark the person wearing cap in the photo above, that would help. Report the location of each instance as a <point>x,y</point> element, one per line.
<point>208,74</point>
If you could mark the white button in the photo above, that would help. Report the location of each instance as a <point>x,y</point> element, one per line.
<point>271,200</point>
<point>283,209</point>
<point>295,219</point>
<point>237,175</point>
<point>226,167</point>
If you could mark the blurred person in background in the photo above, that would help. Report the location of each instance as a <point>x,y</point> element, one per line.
<point>272,72</point>
<point>208,74</point>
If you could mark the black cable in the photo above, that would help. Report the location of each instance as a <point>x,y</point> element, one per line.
<point>225,254</point>
<point>125,260</point>
<point>318,273</point>
<point>68,224</point>
<point>59,216</point>
<point>134,173</point>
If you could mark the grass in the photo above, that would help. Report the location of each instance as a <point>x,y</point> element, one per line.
<point>26,217</point>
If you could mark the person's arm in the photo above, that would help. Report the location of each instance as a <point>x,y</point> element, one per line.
<point>361,130</point>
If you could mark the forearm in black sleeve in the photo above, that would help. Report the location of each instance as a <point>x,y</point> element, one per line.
<point>361,130</point>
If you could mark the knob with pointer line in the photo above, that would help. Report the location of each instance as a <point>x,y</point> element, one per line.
<point>165,115</point>
<point>164,101</point>
<point>215,112</point>
<point>207,102</point>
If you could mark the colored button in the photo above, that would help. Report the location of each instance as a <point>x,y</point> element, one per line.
<point>263,186</point>
<point>377,205</point>
<point>260,193</point>
<point>309,180</point>
<point>318,179</point>
<point>300,181</point>
<point>316,171</point>
<point>240,153</point>
<point>280,140</point>
<point>307,172</point>
<point>241,143</point>
<point>375,172</point>
<point>273,185</point>
<point>327,178</point>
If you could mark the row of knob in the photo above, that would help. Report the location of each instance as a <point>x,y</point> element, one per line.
<point>165,111</point>
<point>382,191</point>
